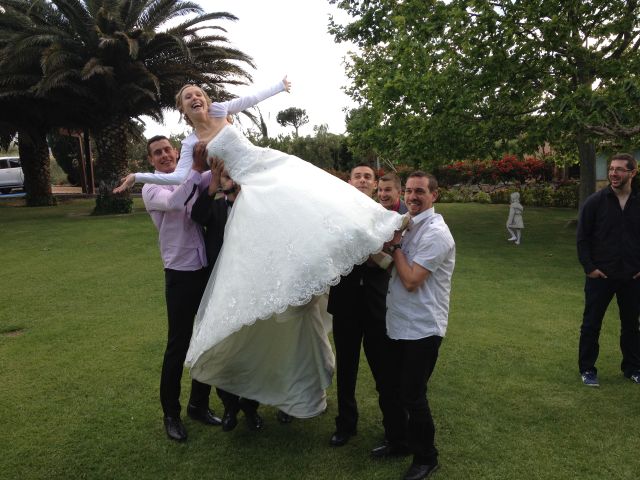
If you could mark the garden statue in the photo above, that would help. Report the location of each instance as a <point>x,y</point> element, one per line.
<point>514,222</point>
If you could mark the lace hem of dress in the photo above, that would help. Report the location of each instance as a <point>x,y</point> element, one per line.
<point>310,291</point>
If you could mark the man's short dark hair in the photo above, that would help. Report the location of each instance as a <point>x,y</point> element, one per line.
<point>365,164</point>
<point>391,177</point>
<point>433,183</point>
<point>632,163</point>
<point>155,138</point>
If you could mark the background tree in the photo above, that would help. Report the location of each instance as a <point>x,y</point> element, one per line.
<point>296,117</point>
<point>461,78</point>
<point>66,150</point>
<point>106,62</point>
<point>22,114</point>
<point>324,149</point>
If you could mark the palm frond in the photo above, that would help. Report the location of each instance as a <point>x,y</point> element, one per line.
<point>95,67</point>
<point>159,12</point>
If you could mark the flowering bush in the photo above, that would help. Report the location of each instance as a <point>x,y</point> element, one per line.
<point>508,169</point>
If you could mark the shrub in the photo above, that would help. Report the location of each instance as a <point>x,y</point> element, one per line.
<point>502,195</point>
<point>444,195</point>
<point>539,195</point>
<point>566,196</point>
<point>508,169</point>
<point>482,197</point>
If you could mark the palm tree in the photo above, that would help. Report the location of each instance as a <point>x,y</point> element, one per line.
<point>21,113</point>
<point>110,61</point>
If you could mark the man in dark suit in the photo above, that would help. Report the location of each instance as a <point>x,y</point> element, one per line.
<point>211,211</point>
<point>357,304</point>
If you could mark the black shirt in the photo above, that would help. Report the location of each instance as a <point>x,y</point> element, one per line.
<point>608,237</point>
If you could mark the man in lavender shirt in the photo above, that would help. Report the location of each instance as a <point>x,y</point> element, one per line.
<point>186,274</point>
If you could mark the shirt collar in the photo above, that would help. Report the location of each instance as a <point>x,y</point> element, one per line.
<point>430,212</point>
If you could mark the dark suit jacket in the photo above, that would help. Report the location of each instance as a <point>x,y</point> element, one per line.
<point>212,215</point>
<point>363,290</point>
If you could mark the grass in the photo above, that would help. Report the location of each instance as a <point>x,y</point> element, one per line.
<point>82,331</point>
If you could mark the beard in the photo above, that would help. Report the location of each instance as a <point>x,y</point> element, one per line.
<point>622,184</point>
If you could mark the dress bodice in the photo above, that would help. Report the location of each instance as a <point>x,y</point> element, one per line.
<point>238,153</point>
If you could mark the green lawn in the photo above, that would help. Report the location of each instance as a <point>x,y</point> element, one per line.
<point>82,331</point>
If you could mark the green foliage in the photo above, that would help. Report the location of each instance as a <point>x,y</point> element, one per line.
<point>443,80</point>
<point>107,204</point>
<point>482,197</point>
<point>502,195</point>
<point>58,175</point>
<point>563,195</point>
<point>296,117</point>
<point>461,194</point>
<point>325,150</point>
<point>66,151</point>
<point>566,196</point>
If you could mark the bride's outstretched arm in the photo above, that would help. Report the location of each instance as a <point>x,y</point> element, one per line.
<point>237,105</point>
<point>178,176</point>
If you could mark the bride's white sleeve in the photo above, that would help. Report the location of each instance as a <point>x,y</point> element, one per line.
<point>237,105</point>
<point>179,175</point>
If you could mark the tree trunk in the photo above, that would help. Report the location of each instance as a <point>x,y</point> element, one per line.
<point>587,152</point>
<point>34,157</point>
<point>111,167</point>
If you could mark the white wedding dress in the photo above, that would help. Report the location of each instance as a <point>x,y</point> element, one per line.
<point>261,330</point>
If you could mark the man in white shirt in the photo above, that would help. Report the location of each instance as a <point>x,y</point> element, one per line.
<point>417,315</point>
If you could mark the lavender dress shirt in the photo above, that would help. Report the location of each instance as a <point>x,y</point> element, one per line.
<point>181,239</point>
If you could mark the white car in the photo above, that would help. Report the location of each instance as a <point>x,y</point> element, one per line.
<point>11,175</point>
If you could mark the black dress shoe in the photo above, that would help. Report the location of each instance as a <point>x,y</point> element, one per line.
<point>338,439</point>
<point>229,420</point>
<point>203,415</point>
<point>284,417</point>
<point>254,420</point>
<point>175,429</point>
<point>387,450</point>
<point>420,472</point>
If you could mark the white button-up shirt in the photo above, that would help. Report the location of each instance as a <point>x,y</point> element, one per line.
<point>425,311</point>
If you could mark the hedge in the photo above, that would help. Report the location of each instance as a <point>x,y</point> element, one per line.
<point>539,194</point>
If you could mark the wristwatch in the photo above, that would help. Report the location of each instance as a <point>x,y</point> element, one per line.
<point>394,247</point>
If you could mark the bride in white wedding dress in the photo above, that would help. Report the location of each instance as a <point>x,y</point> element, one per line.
<point>293,231</point>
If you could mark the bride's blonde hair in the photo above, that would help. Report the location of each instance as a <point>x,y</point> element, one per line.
<point>179,101</point>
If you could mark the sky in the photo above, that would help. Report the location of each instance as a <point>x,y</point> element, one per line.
<point>284,37</point>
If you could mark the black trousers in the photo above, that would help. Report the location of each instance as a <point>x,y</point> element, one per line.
<point>349,333</point>
<point>598,293</point>
<point>409,366</point>
<point>233,403</point>
<point>183,291</point>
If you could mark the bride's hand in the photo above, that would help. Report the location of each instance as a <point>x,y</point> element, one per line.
<point>127,182</point>
<point>287,84</point>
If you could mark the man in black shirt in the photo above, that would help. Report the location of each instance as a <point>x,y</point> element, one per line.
<point>608,241</point>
